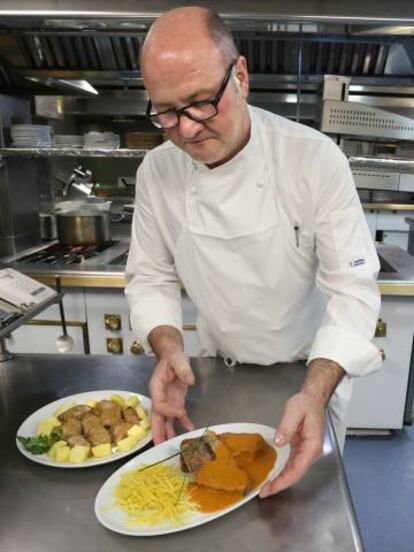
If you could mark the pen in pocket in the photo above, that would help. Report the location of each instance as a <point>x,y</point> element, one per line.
<point>296,228</point>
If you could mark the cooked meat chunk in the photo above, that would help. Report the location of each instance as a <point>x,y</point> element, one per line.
<point>94,430</point>
<point>75,412</point>
<point>71,427</point>
<point>109,413</point>
<point>90,421</point>
<point>78,440</point>
<point>98,435</point>
<point>119,430</point>
<point>222,474</point>
<point>196,452</point>
<point>130,415</point>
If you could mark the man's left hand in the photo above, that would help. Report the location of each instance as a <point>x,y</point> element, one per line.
<point>302,425</point>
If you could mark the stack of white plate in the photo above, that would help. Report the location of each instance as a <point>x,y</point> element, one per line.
<point>31,136</point>
<point>101,140</point>
<point>68,141</point>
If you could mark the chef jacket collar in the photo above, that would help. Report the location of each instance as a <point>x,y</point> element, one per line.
<point>242,158</point>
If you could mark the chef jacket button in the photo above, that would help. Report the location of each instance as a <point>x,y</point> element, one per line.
<point>260,184</point>
<point>229,362</point>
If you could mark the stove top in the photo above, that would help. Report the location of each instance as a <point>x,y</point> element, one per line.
<point>64,254</point>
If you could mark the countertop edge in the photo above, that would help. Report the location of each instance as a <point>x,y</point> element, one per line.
<point>117,281</point>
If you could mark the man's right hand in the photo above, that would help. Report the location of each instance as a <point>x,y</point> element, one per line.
<point>168,389</point>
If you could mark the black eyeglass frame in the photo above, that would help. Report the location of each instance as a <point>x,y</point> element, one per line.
<point>183,110</point>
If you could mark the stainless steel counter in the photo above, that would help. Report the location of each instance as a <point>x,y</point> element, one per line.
<point>46,509</point>
<point>107,270</point>
<point>396,276</point>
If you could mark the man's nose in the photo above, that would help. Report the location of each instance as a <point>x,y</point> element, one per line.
<point>188,128</point>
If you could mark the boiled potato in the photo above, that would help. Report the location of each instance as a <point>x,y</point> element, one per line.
<point>127,443</point>
<point>79,454</point>
<point>54,447</point>
<point>141,412</point>
<point>47,425</point>
<point>132,401</point>
<point>145,423</point>
<point>100,451</point>
<point>118,400</point>
<point>91,403</point>
<point>137,432</point>
<point>62,454</point>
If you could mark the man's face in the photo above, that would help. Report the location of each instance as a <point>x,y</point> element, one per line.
<point>174,82</point>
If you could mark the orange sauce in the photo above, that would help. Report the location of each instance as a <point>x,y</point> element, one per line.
<point>210,500</point>
<point>252,455</point>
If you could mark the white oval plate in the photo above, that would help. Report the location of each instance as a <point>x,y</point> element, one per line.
<point>29,427</point>
<point>114,518</point>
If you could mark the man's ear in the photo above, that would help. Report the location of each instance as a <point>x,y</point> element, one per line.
<point>242,78</point>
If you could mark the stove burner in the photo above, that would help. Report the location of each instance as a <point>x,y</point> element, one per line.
<point>64,254</point>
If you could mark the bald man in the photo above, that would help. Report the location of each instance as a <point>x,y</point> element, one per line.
<point>259,218</point>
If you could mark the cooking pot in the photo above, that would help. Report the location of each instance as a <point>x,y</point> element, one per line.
<point>86,226</point>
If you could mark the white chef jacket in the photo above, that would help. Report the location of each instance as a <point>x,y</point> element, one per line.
<point>272,247</point>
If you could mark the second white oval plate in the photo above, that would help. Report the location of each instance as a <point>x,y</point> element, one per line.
<point>29,427</point>
<point>112,517</point>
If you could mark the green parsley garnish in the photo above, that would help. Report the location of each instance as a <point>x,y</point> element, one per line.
<point>41,443</point>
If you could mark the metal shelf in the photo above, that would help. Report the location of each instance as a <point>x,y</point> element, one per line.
<point>28,315</point>
<point>387,164</point>
<point>73,152</point>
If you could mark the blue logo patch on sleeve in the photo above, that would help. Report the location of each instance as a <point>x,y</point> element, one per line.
<point>357,262</point>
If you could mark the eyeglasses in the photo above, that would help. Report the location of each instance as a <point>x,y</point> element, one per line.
<point>196,111</point>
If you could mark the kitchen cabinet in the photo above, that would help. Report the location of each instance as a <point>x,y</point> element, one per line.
<point>109,326</point>
<point>379,400</point>
<point>392,225</point>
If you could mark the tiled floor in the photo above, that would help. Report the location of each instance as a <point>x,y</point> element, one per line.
<point>380,473</point>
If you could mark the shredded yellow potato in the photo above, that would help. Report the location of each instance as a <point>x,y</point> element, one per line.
<point>149,496</point>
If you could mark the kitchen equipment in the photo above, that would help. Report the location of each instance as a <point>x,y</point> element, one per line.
<point>84,226</point>
<point>410,247</point>
<point>61,255</point>
<point>143,140</point>
<point>68,141</point>
<point>29,136</point>
<point>73,205</point>
<point>48,230</point>
<point>101,140</point>
<point>22,299</point>
<point>64,343</point>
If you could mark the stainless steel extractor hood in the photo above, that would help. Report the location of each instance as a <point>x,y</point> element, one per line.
<point>106,13</point>
<point>289,46</point>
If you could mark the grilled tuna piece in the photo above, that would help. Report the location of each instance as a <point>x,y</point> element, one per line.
<point>109,413</point>
<point>198,451</point>
<point>75,412</point>
<point>130,415</point>
<point>71,427</point>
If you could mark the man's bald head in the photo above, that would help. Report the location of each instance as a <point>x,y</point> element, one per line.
<point>188,60</point>
<point>183,32</point>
